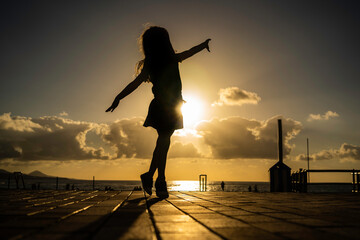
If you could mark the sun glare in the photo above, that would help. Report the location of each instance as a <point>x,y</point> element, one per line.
<point>184,186</point>
<point>192,111</point>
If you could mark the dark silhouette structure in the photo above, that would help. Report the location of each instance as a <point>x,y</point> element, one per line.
<point>222,185</point>
<point>280,179</point>
<point>160,67</point>
<point>17,176</point>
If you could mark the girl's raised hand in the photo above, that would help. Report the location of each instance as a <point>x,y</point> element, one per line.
<point>113,106</point>
<point>207,44</point>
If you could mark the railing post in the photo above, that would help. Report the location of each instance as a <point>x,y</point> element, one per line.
<point>301,180</point>
<point>23,182</point>
<point>353,180</point>
<point>17,182</point>
<point>200,183</point>
<point>305,180</point>
<point>298,183</point>
<point>358,181</point>
<point>205,183</point>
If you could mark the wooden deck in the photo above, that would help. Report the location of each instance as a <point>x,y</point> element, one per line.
<point>51,214</point>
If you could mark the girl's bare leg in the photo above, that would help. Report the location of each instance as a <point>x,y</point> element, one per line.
<point>160,154</point>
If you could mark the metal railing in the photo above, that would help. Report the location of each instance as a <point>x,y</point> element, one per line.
<point>299,179</point>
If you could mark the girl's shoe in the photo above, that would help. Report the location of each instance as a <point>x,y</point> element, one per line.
<point>161,189</point>
<point>147,182</point>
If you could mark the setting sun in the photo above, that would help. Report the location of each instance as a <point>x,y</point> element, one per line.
<point>192,110</point>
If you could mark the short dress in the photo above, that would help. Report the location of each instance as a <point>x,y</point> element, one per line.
<point>164,112</point>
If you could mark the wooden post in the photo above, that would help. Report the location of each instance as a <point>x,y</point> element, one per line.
<point>280,146</point>
<point>57,183</point>
<point>205,182</point>
<point>301,180</point>
<point>280,141</point>
<point>17,182</point>
<point>23,182</point>
<point>93,183</point>
<point>308,158</point>
<point>9,181</point>
<point>305,181</point>
<point>200,183</point>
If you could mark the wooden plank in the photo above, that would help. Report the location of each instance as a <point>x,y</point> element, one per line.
<point>184,215</point>
<point>130,221</point>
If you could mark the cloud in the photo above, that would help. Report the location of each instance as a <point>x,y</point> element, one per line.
<point>60,139</point>
<point>237,137</point>
<point>180,150</point>
<point>63,114</point>
<point>46,138</point>
<point>326,116</point>
<point>129,138</point>
<point>346,152</point>
<point>18,124</point>
<point>234,96</point>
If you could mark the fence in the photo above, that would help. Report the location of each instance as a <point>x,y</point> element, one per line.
<point>299,179</point>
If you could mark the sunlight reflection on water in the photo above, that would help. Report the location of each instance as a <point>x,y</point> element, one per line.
<point>183,186</point>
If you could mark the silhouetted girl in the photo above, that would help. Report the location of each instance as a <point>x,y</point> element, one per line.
<point>160,67</point>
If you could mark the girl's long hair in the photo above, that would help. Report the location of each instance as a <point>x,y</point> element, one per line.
<point>157,49</point>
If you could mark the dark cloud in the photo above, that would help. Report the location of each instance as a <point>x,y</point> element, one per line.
<point>237,137</point>
<point>346,152</point>
<point>46,138</point>
<point>57,138</point>
<point>179,150</point>
<point>234,96</point>
<point>7,150</point>
<point>129,138</point>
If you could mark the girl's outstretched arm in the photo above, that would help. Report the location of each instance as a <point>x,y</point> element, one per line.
<point>186,54</point>
<point>127,90</point>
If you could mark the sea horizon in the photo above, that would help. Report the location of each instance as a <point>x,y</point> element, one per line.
<point>173,185</point>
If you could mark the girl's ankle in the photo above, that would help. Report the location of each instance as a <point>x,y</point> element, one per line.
<point>149,174</point>
<point>161,179</point>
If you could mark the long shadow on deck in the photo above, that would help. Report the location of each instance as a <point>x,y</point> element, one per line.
<point>130,219</point>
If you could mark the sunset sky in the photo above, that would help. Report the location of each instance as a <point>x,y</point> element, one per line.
<point>63,62</point>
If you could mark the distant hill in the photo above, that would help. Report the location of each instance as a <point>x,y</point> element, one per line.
<point>2,171</point>
<point>37,173</point>
<point>33,175</point>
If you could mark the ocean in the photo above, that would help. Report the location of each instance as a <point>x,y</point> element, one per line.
<point>230,186</point>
